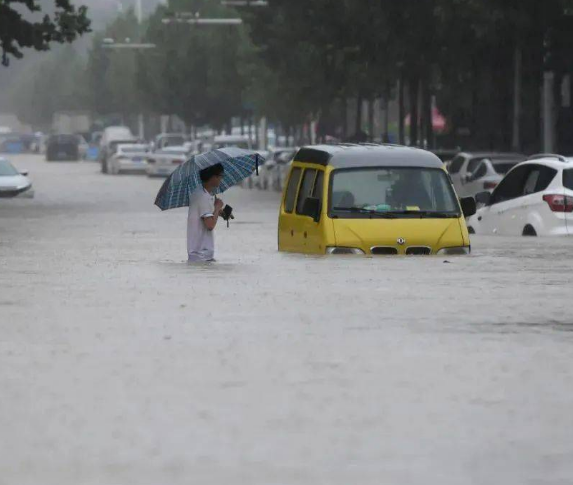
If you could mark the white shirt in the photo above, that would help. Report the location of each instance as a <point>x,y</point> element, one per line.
<point>200,241</point>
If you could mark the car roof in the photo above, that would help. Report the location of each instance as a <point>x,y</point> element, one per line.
<point>492,155</point>
<point>367,155</point>
<point>550,162</point>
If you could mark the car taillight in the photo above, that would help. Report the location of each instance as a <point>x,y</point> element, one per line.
<point>177,162</point>
<point>489,185</point>
<point>559,203</point>
<point>150,160</point>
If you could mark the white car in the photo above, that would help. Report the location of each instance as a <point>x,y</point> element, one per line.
<point>226,141</point>
<point>129,158</point>
<point>14,183</point>
<point>463,165</point>
<point>276,167</point>
<point>534,199</point>
<point>163,163</point>
<point>487,176</point>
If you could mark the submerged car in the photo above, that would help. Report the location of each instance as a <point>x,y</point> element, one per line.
<point>371,199</point>
<point>465,164</point>
<point>534,199</point>
<point>129,158</point>
<point>163,163</point>
<point>63,147</point>
<point>488,174</point>
<point>12,182</point>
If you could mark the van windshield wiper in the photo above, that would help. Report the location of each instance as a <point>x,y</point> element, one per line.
<point>358,210</point>
<point>426,214</point>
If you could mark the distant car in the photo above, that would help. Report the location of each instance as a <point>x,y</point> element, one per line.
<point>12,182</point>
<point>534,199</point>
<point>165,140</point>
<point>83,147</point>
<point>162,163</point>
<point>11,143</point>
<point>62,147</point>
<point>111,137</point>
<point>445,154</point>
<point>488,175</point>
<point>129,158</point>
<point>275,170</point>
<point>226,141</point>
<point>463,165</point>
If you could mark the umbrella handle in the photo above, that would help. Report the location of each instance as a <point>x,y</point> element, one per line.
<point>257,165</point>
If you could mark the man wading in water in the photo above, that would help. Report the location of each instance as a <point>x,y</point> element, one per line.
<point>204,212</point>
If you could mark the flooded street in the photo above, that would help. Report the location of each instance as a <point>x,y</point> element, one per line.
<point>122,364</point>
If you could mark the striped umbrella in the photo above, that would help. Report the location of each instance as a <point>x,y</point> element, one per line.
<point>238,164</point>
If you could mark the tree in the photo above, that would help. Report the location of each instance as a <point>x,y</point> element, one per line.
<point>63,25</point>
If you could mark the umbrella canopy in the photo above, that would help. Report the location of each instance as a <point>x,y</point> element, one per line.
<point>238,164</point>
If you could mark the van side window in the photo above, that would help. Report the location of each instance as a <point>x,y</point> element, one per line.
<point>305,188</point>
<point>318,185</point>
<point>291,189</point>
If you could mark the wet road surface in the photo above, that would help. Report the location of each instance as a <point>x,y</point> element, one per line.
<point>121,364</point>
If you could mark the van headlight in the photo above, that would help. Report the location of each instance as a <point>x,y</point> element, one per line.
<point>335,250</point>
<point>461,250</point>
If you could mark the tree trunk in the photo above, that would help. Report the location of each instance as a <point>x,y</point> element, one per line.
<point>401,111</point>
<point>371,129</point>
<point>516,131</point>
<point>358,125</point>
<point>414,110</point>
<point>428,125</point>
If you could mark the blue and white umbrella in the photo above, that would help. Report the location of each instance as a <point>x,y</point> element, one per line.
<point>238,164</point>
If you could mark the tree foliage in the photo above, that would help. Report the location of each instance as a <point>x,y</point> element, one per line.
<point>20,29</point>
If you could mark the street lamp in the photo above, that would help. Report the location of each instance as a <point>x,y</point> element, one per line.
<point>195,19</point>
<point>245,3</point>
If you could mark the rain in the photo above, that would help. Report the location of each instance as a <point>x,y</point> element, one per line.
<point>121,362</point>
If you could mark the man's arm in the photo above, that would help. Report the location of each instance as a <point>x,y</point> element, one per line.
<point>210,220</point>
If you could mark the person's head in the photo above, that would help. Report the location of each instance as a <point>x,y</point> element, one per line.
<point>211,176</point>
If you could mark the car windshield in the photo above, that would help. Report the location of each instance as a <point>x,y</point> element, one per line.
<point>236,144</point>
<point>7,169</point>
<point>399,191</point>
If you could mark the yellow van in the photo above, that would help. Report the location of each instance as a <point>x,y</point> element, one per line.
<point>371,199</point>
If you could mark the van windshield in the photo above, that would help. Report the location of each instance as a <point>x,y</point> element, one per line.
<point>400,192</point>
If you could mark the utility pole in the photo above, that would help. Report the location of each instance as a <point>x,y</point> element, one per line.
<point>140,119</point>
<point>516,132</point>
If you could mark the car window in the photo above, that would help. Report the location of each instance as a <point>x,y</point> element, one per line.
<point>306,188</point>
<point>456,164</point>
<point>511,186</point>
<point>473,164</point>
<point>531,182</point>
<point>480,172</point>
<point>7,169</point>
<point>568,178</point>
<point>291,189</point>
<point>546,176</point>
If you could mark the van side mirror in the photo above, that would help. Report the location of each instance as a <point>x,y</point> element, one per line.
<point>483,198</point>
<point>24,173</point>
<point>468,206</point>
<point>311,208</point>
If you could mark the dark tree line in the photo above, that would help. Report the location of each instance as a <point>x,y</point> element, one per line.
<point>483,62</point>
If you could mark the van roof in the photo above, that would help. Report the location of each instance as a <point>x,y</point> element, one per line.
<point>367,155</point>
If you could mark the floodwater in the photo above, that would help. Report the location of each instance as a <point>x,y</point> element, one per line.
<point>121,364</point>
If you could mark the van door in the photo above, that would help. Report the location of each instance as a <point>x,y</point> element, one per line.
<point>301,222</point>
<point>312,231</point>
<point>287,217</point>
